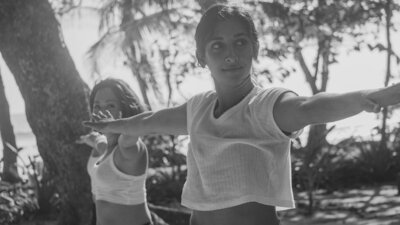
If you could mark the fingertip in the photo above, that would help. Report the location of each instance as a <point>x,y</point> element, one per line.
<point>86,123</point>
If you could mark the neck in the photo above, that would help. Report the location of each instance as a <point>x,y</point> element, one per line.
<point>230,95</point>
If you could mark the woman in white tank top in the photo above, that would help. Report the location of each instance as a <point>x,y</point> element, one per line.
<point>118,173</point>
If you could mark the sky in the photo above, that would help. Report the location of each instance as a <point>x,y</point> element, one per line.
<point>355,71</point>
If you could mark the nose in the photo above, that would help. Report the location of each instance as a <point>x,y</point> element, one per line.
<point>232,57</point>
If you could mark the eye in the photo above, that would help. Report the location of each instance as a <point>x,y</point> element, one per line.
<point>111,106</point>
<point>96,107</point>
<point>241,42</point>
<point>216,45</point>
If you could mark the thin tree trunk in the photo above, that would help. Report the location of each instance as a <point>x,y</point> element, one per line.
<point>10,172</point>
<point>382,144</point>
<point>55,98</point>
<point>316,139</point>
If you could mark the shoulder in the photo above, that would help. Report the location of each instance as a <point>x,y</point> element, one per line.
<point>201,98</point>
<point>203,95</point>
<point>270,95</point>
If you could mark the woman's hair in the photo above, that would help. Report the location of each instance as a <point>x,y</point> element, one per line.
<point>129,101</point>
<point>220,13</point>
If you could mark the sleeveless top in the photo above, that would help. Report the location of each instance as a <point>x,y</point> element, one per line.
<point>112,185</point>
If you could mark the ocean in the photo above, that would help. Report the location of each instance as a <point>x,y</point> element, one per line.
<point>24,137</point>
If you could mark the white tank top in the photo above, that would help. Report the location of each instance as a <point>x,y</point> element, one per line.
<point>90,168</point>
<point>112,185</point>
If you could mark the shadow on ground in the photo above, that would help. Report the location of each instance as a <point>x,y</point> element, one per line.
<point>379,205</point>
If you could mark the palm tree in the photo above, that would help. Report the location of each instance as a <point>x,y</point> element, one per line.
<point>131,30</point>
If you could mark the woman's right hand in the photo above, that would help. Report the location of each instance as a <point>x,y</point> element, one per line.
<point>99,121</point>
<point>92,139</point>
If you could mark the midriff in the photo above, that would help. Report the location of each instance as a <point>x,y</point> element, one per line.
<point>116,214</point>
<point>251,213</point>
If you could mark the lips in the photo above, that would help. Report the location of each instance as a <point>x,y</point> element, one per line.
<point>232,68</point>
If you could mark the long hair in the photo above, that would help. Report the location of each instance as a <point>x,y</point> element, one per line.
<point>130,103</point>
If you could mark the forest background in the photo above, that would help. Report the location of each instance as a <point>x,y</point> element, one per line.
<point>53,52</point>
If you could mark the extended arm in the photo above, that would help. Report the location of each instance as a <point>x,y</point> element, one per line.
<point>166,121</point>
<point>385,96</point>
<point>293,112</point>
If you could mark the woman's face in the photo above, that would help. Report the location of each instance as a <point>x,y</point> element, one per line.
<point>229,52</point>
<point>104,100</point>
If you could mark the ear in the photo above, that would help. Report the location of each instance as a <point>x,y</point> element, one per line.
<point>200,59</point>
<point>256,49</point>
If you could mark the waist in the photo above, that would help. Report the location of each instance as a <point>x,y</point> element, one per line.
<point>124,196</point>
<point>117,214</point>
<point>251,213</point>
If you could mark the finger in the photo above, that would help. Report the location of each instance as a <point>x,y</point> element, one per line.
<point>371,106</point>
<point>95,117</point>
<point>102,115</point>
<point>109,114</point>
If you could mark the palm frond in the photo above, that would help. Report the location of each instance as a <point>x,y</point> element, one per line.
<point>109,14</point>
<point>104,50</point>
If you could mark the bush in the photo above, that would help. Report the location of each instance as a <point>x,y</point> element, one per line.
<point>36,195</point>
<point>17,201</point>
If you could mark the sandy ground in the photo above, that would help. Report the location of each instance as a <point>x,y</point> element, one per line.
<point>379,205</point>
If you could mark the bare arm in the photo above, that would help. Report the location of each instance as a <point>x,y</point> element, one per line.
<point>166,121</point>
<point>293,112</point>
<point>385,96</point>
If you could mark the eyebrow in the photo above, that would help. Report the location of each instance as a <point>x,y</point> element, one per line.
<point>108,100</point>
<point>220,38</point>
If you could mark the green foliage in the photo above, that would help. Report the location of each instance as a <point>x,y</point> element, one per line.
<point>17,201</point>
<point>164,151</point>
<point>36,195</point>
<point>289,26</point>
<point>165,182</point>
<point>296,22</point>
<point>351,163</point>
<point>149,37</point>
<point>163,188</point>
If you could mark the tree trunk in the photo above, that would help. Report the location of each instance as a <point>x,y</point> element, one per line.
<point>55,96</point>
<point>382,144</point>
<point>10,173</point>
<point>316,136</point>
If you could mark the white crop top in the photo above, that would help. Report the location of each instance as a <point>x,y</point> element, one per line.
<point>241,156</point>
<point>112,185</point>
